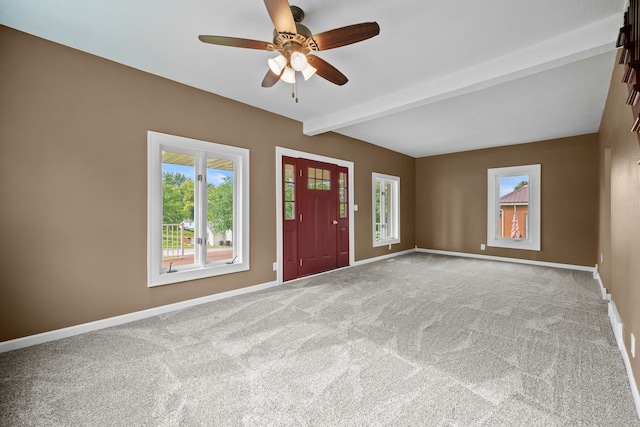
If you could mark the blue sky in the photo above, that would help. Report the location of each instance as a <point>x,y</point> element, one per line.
<point>214,176</point>
<point>508,182</point>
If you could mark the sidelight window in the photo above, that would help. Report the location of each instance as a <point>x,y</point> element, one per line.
<point>289,191</point>
<point>343,200</point>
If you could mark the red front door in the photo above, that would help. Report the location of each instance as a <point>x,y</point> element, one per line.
<point>317,197</point>
<point>315,207</point>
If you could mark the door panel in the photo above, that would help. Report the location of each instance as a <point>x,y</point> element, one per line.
<point>315,217</point>
<point>317,195</point>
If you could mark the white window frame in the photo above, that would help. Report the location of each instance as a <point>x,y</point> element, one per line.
<point>156,143</point>
<point>532,242</point>
<point>394,226</point>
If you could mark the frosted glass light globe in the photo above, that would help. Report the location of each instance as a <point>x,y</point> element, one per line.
<point>298,61</point>
<point>277,64</point>
<point>289,75</point>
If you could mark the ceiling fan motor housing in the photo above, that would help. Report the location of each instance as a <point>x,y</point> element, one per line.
<point>298,14</point>
<point>301,42</point>
<point>300,29</point>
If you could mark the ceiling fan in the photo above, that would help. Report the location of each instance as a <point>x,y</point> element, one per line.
<point>295,44</point>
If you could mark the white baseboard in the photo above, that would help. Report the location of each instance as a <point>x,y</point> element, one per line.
<point>603,290</point>
<point>57,334</point>
<point>356,263</point>
<point>125,318</point>
<point>506,259</point>
<point>383,257</point>
<point>616,325</point>
<point>617,328</point>
<point>44,337</point>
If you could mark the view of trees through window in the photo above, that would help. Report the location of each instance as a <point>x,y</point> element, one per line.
<point>289,192</point>
<point>383,209</point>
<point>178,202</point>
<point>386,213</point>
<point>177,198</point>
<point>198,209</point>
<point>179,209</point>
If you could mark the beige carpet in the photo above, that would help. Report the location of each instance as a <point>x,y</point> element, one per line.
<point>420,340</point>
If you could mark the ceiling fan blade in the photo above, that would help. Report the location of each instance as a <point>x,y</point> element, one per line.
<point>281,16</point>
<point>346,35</point>
<point>270,78</point>
<point>326,70</point>
<point>235,42</point>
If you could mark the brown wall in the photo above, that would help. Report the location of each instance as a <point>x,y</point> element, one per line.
<point>619,232</point>
<point>73,177</point>
<point>451,199</point>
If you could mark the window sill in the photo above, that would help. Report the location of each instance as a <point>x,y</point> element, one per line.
<point>386,242</point>
<point>160,279</point>
<point>521,244</point>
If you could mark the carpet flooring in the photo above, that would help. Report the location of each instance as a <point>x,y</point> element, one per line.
<point>417,340</point>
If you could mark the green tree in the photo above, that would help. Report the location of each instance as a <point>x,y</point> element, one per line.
<point>220,206</point>
<point>172,207</point>
<point>520,185</point>
<point>187,189</point>
<point>175,179</point>
<point>177,198</point>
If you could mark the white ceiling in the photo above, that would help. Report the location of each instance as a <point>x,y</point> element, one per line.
<point>441,77</point>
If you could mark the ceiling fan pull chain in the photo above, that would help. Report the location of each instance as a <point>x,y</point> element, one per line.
<point>294,91</point>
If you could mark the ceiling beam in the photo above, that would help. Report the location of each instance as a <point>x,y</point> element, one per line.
<point>583,43</point>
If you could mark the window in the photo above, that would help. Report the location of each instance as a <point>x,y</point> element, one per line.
<point>319,179</point>
<point>514,207</point>
<point>289,192</point>
<point>198,209</point>
<point>386,212</point>
<point>343,197</point>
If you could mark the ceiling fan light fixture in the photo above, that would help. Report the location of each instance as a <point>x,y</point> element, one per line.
<point>308,71</point>
<point>289,75</point>
<point>277,64</point>
<point>298,61</point>
<point>293,43</point>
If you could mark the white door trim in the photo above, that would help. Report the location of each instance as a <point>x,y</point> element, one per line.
<point>287,152</point>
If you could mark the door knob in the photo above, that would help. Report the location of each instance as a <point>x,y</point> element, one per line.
<point>335,222</point>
